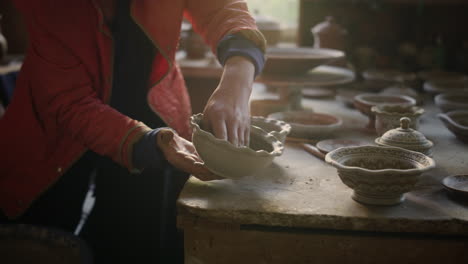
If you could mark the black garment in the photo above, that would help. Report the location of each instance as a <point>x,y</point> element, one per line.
<point>134,217</point>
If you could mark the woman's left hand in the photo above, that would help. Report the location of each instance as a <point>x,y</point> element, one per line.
<point>227,113</point>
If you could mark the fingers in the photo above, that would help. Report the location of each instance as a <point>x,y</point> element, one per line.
<point>193,165</point>
<point>232,134</point>
<point>219,129</point>
<point>247,136</point>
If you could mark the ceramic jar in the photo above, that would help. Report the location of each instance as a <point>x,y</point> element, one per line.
<point>388,116</point>
<point>328,34</point>
<point>407,138</point>
<point>269,27</point>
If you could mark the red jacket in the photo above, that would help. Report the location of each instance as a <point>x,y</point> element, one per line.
<point>60,105</point>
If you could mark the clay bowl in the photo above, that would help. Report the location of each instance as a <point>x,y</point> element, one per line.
<point>447,86</point>
<point>297,61</point>
<point>437,75</point>
<point>265,107</point>
<point>388,116</point>
<point>308,124</point>
<point>451,101</point>
<point>381,78</point>
<point>379,175</point>
<point>457,185</point>
<point>279,129</point>
<point>229,161</point>
<point>365,102</point>
<point>457,123</point>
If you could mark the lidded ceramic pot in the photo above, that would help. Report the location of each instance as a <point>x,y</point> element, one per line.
<point>407,138</point>
<point>329,34</point>
<point>388,116</point>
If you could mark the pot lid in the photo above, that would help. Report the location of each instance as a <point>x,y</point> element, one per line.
<point>329,26</point>
<point>405,137</point>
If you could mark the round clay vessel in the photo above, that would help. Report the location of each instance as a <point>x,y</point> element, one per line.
<point>279,129</point>
<point>388,116</point>
<point>308,124</point>
<point>407,138</point>
<point>229,161</point>
<point>450,86</point>
<point>365,102</point>
<point>381,78</point>
<point>438,75</point>
<point>451,101</point>
<point>457,123</point>
<point>264,107</point>
<point>297,60</point>
<point>379,175</point>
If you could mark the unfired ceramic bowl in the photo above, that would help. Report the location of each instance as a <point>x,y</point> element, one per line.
<point>438,75</point>
<point>297,60</point>
<point>457,123</point>
<point>379,175</point>
<point>229,161</point>
<point>364,103</point>
<point>451,101</point>
<point>450,86</point>
<point>381,78</point>
<point>388,116</point>
<point>264,107</point>
<point>308,124</point>
<point>279,129</point>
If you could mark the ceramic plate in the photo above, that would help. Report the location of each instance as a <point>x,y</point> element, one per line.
<point>319,76</point>
<point>457,184</point>
<point>328,145</point>
<point>317,92</point>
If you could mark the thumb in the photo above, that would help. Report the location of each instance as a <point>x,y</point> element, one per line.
<point>166,136</point>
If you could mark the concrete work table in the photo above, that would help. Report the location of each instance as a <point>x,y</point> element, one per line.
<point>298,210</point>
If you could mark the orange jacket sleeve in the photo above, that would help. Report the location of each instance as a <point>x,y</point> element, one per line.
<point>66,99</point>
<point>214,19</point>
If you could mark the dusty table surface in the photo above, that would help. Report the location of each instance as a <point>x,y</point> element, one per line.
<point>300,191</point>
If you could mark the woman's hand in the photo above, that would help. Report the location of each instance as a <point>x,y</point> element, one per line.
<point>181,154</point>
<point>227,113</point>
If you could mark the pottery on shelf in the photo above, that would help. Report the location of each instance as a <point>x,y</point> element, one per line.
<point>308,124</point>
<point>264,107</point>
<point>450,86</point>
<point>379,175</point>
<point>402,89</point>
<point>407,138</point>
<point>229,161</point>
<point>329,34</point>
<point>439,75</point>
<point>388,116</point>
<point>365,102</point>
<point>451,101</point>
<point>279,129</point>
<point>457,123</point>
<point>297,60</point>
<point>381,78</point>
